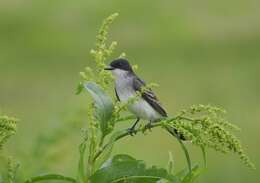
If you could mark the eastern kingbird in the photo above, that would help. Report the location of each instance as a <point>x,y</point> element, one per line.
<point>127,83</point>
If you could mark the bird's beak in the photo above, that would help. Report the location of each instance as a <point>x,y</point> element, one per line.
<point>109,68</point>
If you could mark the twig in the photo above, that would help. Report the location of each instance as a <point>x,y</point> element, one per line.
<point>135,131</point>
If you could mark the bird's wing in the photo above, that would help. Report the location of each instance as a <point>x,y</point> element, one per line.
<point>149,96</point>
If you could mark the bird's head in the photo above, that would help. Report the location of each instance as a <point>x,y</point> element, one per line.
<point>120,67</point>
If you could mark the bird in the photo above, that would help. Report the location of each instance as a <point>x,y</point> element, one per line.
<point>127,84</point>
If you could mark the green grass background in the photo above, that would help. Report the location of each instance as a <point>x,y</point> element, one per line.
<point>198,51</point>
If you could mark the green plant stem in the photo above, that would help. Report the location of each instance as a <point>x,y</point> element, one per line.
<point>126,118</point>
<point>81,164</point>
<point>204,154</point>
<point>101,141</point>
<point>128,134</point>
<point>186,155</point>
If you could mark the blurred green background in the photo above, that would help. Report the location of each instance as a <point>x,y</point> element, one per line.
<point>198,51</point>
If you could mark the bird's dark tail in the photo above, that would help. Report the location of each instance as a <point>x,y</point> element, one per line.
<point>174,132</point>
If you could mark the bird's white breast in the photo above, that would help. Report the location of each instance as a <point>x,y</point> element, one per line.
<point>141,108</point>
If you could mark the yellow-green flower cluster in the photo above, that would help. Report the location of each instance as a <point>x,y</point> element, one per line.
<point>12,169</point>
<point>98,75</point>
<point>205,126</point>
<point>100,53</point>
<point>7,129</point>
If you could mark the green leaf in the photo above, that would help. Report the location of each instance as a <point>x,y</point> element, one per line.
<point>187,177</point>
<point>123,168</point>
<point>104,105</point>
<point>80,88</point>
<point>108,149</point>
<point>196,171</point>
<point>50,177</point>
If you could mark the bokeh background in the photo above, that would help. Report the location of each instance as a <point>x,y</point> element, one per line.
<point>198,51</point>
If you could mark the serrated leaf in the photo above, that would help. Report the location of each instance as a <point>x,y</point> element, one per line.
<point>103,103</point>
<point>124,168</point>
<point>51,177</point>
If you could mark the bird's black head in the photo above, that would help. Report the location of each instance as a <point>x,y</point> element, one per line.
<point>120,63</point>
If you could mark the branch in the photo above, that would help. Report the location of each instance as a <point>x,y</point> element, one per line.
<point>143,129</point>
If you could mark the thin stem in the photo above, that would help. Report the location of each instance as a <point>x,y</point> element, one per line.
<point>204,156</point>
<point>157,124</point>
<point>128,134</point>
<point>185,118</point>
<point>101,141</point>
<point>81,165</point>
<point>186,154</point>
<point>126,118</point>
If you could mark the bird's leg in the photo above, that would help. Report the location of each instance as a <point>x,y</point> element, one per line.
<point>148,125</point>
<point>132,129</point>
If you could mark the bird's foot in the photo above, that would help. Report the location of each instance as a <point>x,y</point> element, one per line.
<point>131,131</point>
<point>148,126</point>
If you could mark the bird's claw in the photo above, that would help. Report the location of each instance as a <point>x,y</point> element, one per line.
<point>148,126</point>
<point>131,131</point>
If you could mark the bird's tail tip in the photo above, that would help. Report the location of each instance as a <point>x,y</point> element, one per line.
<point>174,132</point>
